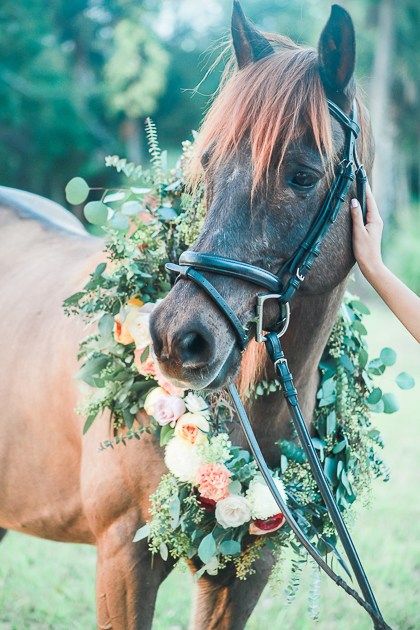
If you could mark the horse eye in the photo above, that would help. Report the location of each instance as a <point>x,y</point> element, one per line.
<point>302,179</point>
<point>205,158</point>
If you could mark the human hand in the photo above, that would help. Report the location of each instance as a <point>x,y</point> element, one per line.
<point>367,238</point>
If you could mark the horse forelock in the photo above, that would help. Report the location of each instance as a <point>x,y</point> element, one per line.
<point>281,99</point>
<point>271,103</point>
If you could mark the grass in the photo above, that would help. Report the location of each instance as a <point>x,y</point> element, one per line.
<point>46,585</point>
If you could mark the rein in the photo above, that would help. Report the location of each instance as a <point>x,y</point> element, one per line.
<point>282,288</point>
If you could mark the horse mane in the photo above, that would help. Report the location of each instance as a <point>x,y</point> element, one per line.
<point>270,104</point>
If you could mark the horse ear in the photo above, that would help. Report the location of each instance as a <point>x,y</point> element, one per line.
<point>337,51</point>
<point>249,44</point>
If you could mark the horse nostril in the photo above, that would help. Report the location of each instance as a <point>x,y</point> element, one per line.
<point>195,348</point>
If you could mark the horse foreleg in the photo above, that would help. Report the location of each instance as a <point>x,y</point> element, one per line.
<point>3,533</point>
<point>225,603</point>
<point>127,583</point>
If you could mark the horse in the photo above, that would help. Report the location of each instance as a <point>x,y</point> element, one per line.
<point>266,148</point>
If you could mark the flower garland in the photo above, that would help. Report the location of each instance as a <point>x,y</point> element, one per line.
<point>213,506</point>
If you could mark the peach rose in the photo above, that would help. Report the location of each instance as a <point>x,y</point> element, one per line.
<point>122,321</point>
<point>121,333</point>
<point>147,367</point>
<point>192,428</point>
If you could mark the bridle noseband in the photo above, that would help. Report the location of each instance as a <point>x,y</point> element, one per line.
<point>282,288</point>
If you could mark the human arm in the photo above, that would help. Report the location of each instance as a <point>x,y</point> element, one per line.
<point>402,301</point>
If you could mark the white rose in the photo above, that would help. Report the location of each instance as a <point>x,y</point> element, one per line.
<point>192,428</point>
<point>151,398</point>
<point>137,323</point>
<point>182,460</point>
<point>233,511</point>
<point>263,504</point>
<point>195,403</point>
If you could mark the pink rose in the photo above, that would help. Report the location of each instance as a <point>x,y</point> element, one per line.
<point>167,409</point>
<point>147,367</point>
<point>166,384</point>
<point>213,481</point>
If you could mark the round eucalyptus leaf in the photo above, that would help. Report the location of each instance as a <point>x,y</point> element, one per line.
<point>388,356</point>
<point>117,196</point>
<point>77,191</point>
<point>405,380</point>
<point>119,222</point>
<point>131,208</point>
<point>166,213</point>
<point>96,212</point>
<point>390,403</point>
<point>360,307</point>
<point>374,396</point>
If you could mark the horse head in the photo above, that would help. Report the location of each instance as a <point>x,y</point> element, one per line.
<point>267,149</point>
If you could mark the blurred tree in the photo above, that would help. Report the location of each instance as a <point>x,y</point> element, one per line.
<point>73,75</point>
<point>77,78</point>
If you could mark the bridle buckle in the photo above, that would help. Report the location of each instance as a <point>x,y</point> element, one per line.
<point>285,319</point>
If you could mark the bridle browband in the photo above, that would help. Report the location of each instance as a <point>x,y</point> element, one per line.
<point>282,287</point>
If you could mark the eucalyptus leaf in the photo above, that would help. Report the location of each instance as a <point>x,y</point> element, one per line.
<point>374,396</point>
<point>357,325</point>
<point>112,197</point>
<point>175,511</point>
<point>166,434</point>
<point>140,191</point>
<point>131,208</point>
<point>119,222</point>
<point>405,380</point>
<point>388,356</point>
<point>106,325</point>
<point>390,403</point>
<point>96,212</point>
<point>207,548</point>
<point>77,191</point>
<point>166,213</point>
<point>163,550</point>
<point>142,533</point>
<point>331,422</point>
<point>357,305</point>
<point>230,548</point>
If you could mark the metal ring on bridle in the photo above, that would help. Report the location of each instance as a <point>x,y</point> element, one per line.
<point>284,318</point>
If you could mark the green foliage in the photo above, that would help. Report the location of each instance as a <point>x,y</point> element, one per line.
<point>135,71</point>
<point>134,269</point>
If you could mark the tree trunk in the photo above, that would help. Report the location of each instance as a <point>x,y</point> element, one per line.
<point>384,178</point>
<point>130,132</point>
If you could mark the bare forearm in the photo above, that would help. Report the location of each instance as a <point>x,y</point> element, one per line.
<point>402,301</point>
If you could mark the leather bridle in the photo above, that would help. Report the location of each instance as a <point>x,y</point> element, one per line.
<point>282,288</point>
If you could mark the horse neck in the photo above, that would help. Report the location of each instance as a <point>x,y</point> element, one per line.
<point>312,319</point>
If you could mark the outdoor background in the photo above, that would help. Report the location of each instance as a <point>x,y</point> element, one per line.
<point>77,80</point>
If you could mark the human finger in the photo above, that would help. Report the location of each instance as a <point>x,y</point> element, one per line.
<point>356,215</point>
